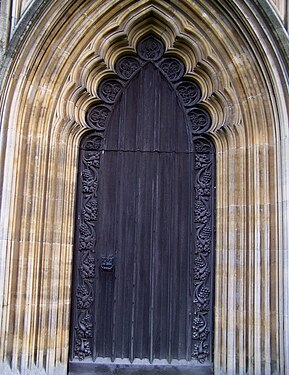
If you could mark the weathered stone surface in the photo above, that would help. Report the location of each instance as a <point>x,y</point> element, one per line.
<point>50,78</point>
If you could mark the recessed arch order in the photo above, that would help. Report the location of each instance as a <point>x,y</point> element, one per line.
<point>56,62</point>
<point>143,269</point>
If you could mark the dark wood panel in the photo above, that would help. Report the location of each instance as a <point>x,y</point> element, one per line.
<point>144,222</point>
<point>148,116</point>
<point>151,284</point>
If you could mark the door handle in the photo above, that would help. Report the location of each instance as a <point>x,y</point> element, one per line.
<point>107,263</point>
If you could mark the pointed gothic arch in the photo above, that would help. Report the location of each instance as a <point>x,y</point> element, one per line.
<point>55,62</point>
<point>143,257</point>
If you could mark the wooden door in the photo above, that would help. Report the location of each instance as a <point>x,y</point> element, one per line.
<point>134,283</point>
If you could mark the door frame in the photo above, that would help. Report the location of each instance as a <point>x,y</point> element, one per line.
<point>198,123</point>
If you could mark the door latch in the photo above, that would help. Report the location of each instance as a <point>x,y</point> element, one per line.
<point>107,263</point>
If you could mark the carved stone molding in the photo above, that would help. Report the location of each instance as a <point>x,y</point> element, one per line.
<point>204,246</point>
<point>150,49</point>
<point>86,238</point>
<point>236,51</point>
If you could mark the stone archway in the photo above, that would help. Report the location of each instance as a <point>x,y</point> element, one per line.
<point>49,83</point>
<point>143,257</point>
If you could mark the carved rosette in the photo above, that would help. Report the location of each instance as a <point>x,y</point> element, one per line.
<point>200,120</point>
<point>173,68</point>
<point>149,50</point>
<point>127,66</point>
<point>97,116</point>
<point>189,92</point>
<point>90,158</point>
<point>203,229</point>
<point>109,90</point>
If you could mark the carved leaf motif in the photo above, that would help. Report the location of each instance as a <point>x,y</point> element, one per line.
<point>86,238</point>
<point>84,298</point>
<point>92,159</point>
<point>202,191</point>
<point>189,92</point>
<point>201,351</point>
<point>93,143</point>
<point>201,300</point>
<point>109,89</point>
<point>150,48</point>
<point>84,230</point>
<point>201,269</point>
<point>205,178</point>
<point>173,68</point>
<point>201,160</point>
<point>97,116</point>
<point>200,330</point>
<point>86,245</point>
<point>203,244</point>
<point>82,348</point>
<point>203,146</point>
<point>127,66</point>
<point>206,232</point>
<point>90,211</point>
<point>200,120</point>
<point>87,269</point>
<point>84,328</point>
<point>201,212</point>
<point>89,186</point>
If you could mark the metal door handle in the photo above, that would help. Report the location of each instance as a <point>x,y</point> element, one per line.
<point>107,263</point>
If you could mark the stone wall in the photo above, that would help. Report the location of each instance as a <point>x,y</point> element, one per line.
<point>282,9</point>
<point>13,11</point>
<point>238,53</point>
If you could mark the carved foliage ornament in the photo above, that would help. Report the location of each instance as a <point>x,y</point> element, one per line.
<point>203,228</point>
<point>90,159</point>
<point>109,90</point>
<point>127,66</point>
<point>200,120</point>
<point>189,92</point>
<point>96,116</point>
<point>149,50</point>
<point>173,68</point>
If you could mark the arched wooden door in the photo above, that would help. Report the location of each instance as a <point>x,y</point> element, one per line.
<point>142,295</point>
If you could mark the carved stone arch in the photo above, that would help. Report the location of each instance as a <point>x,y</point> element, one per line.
<point>237,51</point>
<point>121,129</point>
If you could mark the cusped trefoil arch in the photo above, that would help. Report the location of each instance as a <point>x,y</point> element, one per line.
<point>150,49</point>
